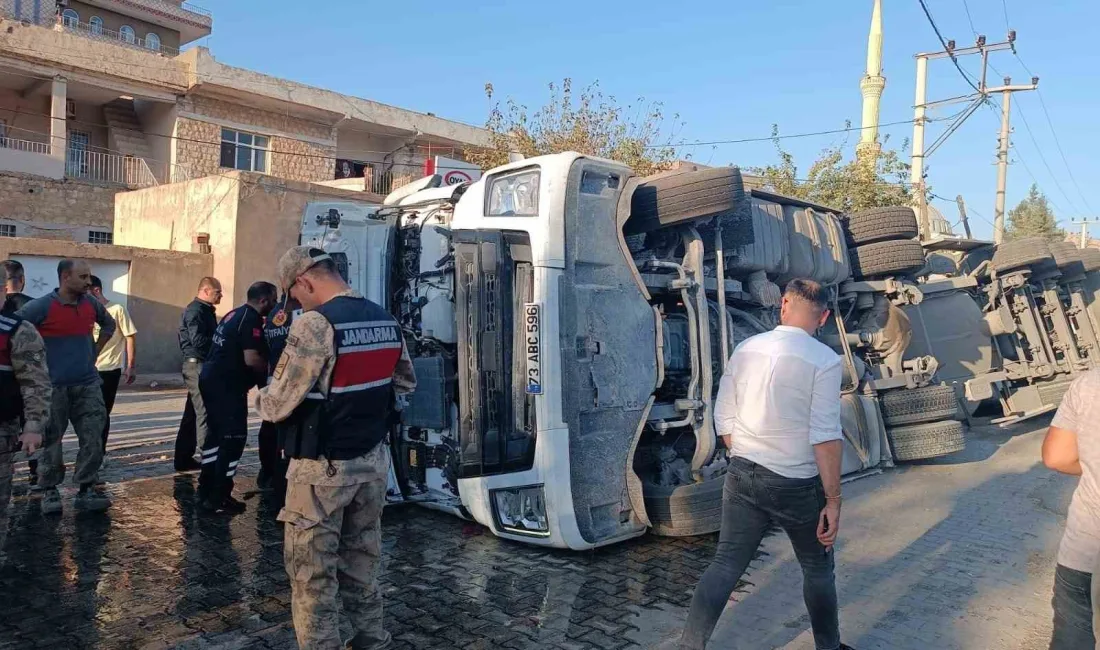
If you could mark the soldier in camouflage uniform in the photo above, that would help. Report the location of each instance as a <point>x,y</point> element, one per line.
<point>335,385</point>
<point>24,394</point>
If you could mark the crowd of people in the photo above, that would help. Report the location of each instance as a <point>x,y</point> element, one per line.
<point>327,401</point>
<point>326,405</point>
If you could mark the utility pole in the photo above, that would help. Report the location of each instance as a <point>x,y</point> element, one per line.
<point>962,215</point>
<point>1002,152</point>
<point>921,106</point>
<point>1084,241</point>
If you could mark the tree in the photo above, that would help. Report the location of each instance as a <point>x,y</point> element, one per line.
<point>589,123</point>
<point>1033,217</point>
<point>856,184</point>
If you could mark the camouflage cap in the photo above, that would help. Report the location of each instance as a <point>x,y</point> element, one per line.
<point>297,261</point>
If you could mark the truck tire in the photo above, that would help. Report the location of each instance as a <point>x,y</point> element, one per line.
<point>1021,253</point>
<point>1068,258</point>
<point>1090,257</point>
<point>672,198</point>
<point>880,224</point>
<point>917,405</point>
<point>928,440</point>
<point>685,510</point>
<point>887,258</point>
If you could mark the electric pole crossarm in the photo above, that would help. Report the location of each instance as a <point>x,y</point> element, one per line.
<point>970,110</point>
<point>977,49</point>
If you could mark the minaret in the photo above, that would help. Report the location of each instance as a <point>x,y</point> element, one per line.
<point>872,85</point>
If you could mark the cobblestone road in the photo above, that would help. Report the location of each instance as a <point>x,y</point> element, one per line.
<point>955,554</point>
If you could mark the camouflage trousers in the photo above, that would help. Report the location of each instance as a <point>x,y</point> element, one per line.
<point>333,552</point>
<point>9,440</point>
<point>84,407</point>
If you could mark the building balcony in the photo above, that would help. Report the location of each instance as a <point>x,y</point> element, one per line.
<point>191,21</point>
<point>128,39</point>
<point>35,157</point>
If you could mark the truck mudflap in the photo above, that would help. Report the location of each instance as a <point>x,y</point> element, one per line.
<point>607,338</point>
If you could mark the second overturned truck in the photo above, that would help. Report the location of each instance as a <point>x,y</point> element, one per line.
<point>569,323</point>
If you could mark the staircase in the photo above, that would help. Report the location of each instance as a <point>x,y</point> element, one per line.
<point>125,135</point>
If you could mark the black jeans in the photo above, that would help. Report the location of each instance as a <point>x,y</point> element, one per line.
<point>111,379</point>
<point>193,426</point>
<point>753,500</point>
<point>1072,610</point>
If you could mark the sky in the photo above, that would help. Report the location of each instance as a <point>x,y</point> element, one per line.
<point>730,70</point>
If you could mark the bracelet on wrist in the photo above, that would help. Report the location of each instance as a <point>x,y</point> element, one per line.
<point>829,498</point>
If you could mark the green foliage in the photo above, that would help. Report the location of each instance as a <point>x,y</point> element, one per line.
<point>588,122</point>
<point>1033,217</point>
<point>868,181</point>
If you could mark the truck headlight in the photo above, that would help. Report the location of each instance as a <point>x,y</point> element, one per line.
<point>521,510</point>
<point>514,195</point>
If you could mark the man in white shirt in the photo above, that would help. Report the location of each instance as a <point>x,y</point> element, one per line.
<point>110,364</point>
<point>778,412</point>
<point>1072,446</point>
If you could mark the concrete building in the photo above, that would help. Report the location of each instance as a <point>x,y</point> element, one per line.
<point>96,98</point>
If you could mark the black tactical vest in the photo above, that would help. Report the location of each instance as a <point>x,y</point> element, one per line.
<point>354,416</point>
<point>11,400</point>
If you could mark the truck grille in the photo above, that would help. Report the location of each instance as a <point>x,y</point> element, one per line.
<point>496,417</point>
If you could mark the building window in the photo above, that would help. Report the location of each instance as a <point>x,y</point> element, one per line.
<point>100,237</point>
<point>7,230</point>
<point>96,24</point>
<point>152,41</point>
<point>127,34</point>
<point>70,18</point>
<point>244,151</point>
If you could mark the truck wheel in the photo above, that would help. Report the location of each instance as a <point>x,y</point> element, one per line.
<point>928,440</point>
<point>1020,253</point>
<point>671,198</point>
<point>887,258</point>
<point>1090,257</point>
<point>1068,258</point>
<point>685,510</point>
<point>879,224</point>
<point>916,405</point>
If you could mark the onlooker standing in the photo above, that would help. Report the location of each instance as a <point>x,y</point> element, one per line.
<point>778,411</point>
<point>237,362</point>
<point>110,361</point>
<point>1072,446</point>
<point>196,333</point>
<point>65,319</point>
<point>13,286</point>
<point>337,395</point>
<point>24,397</point>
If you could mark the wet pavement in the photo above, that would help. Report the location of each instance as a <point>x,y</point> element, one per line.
<point>152,574</point>
<point>958,553</point>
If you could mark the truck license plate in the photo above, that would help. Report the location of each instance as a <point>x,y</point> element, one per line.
<point>532,321</point>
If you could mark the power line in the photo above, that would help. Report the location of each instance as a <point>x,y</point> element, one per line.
<point>1043,158</point>
<point>1004,6</point>
<point>781,137</point>
<point>943,42</point>
<point>968,18</point>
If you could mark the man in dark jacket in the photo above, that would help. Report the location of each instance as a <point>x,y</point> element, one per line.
<point>195,336</point>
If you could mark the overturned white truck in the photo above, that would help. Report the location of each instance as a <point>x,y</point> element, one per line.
<point>569,323</point>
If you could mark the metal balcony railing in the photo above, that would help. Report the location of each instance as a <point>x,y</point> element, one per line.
<point>109,168</point>
<point>195,9</point>
<point>131,39</point>
<point>25,145</point>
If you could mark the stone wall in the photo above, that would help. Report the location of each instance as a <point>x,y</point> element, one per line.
<point>294,154</point>
<point>53,209</point>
